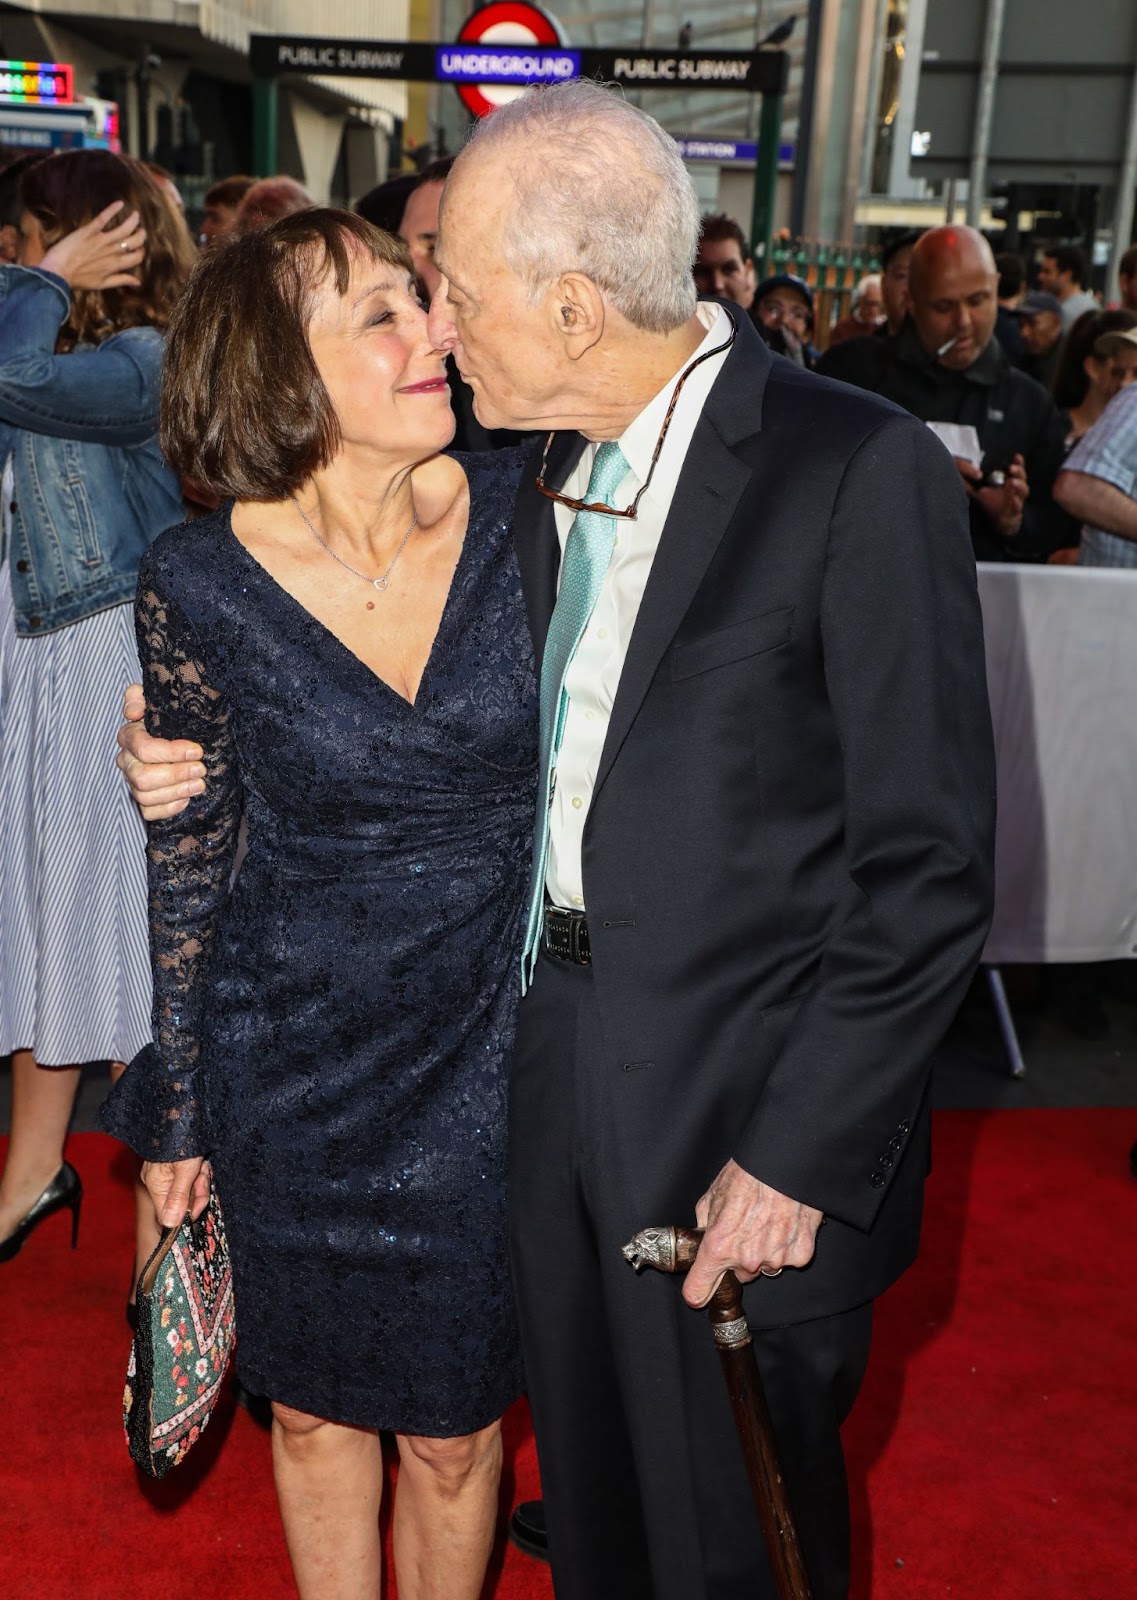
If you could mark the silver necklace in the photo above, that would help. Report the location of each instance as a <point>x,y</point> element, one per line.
<point>376,583</point>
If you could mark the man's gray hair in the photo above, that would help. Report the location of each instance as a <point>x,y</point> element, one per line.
<point>599,188</point>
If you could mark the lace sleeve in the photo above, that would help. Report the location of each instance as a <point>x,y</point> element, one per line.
<point>158,1106</point>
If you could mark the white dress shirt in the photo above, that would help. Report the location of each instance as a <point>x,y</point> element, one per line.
<point>594,673</point>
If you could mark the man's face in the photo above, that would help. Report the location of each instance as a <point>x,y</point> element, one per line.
<point>419,231</point>
<point>1050,279</point>
<point>720,270</point>
<point>785,308</point>
<point>955,299</point>
<point>501,339</point>
<point>1040,331</point>
<point>216,223</point>
<point>894,289</point>
<point>870,308</point>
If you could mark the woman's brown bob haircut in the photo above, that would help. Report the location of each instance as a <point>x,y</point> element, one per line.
<point>244,410</point>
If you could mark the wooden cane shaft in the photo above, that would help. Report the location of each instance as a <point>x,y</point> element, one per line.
<point>756,1436</point>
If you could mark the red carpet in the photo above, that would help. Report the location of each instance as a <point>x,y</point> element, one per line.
<point>992,1454</point>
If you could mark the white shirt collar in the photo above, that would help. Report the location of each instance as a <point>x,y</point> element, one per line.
<point>639,438</point>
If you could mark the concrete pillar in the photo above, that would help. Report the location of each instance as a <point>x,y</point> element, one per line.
<point>318,135</point>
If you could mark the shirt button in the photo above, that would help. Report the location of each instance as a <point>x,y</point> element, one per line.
<point>590,716</point>
<point>13,506</point>
<point>35,622</point>
<point>602,633</point>
<point>577,802</point>
<point>21,565</point>
<point>578,900</point>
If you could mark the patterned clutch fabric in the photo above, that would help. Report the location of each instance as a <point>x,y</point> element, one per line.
<point>186,1333</point>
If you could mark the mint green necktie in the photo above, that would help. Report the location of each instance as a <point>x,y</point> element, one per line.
<point>587,554</point>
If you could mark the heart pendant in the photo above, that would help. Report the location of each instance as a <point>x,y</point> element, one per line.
<point>379,583</point>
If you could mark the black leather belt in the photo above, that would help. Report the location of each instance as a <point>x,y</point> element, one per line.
<point>566,936</point>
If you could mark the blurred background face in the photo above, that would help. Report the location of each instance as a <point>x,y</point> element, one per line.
<point>720,270</point>
<point>894,289</point>
<point>1116,371</point>
<point>216,223</point>
<point>784,308</point>
<point>869,308</point>
<point>1040,331</point>
<point>419,231</point>
<point>1049,277</point>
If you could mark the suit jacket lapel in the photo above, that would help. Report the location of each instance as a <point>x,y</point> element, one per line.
<point>535,534</point>
<point>704,502</point>
<point>706,496</point>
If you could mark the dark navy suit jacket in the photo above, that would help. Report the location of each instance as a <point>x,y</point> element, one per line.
<point>788,855</point>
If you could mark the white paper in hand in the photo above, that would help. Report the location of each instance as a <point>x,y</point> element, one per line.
<point>960,439</point>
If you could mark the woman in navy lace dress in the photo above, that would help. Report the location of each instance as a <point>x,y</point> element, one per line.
<point>345,639</point>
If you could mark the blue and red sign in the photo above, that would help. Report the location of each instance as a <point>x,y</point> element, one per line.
<point>501,49</point>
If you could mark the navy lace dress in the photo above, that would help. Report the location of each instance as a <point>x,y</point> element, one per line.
<point>334,1030</point>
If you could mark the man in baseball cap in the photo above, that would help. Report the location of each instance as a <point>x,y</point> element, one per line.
<point>783,314</point>
<point>1040,328</point>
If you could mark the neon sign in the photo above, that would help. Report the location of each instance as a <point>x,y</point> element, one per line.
<point>36,83</point>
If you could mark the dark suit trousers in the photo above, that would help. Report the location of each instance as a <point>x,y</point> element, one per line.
<point>645,1492</point>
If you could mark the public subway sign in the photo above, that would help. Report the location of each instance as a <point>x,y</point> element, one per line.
<point>493,69</point>
<point>36,83</point>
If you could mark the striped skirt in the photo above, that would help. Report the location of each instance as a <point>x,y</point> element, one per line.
<point>74,947</point>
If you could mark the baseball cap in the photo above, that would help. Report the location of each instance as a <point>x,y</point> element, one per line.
<point>784,280</point>
<point>1107,343</point>
<point>1038,301</point>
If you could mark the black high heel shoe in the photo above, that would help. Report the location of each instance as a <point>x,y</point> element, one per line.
<point>63,1193</point>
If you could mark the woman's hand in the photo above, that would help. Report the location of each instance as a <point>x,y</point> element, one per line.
<point>90,258</point>
<point>177,1187</point>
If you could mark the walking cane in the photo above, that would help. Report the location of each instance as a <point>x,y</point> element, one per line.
<point>674,1250</point>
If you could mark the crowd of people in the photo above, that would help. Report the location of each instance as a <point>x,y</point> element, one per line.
<point>951,331</point>
<point>227,478</point>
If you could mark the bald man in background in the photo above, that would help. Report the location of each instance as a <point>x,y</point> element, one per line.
<point>946,366</point>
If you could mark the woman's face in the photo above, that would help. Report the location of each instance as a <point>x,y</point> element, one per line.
<point>33,246</point>
<point>385,379</point>
<point>1110,373</point>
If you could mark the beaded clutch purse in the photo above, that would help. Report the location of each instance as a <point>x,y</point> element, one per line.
<point>186,1333</point>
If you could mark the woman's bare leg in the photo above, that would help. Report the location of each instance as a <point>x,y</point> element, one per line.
<point>329,1481</point>
<point>147,1230</point>
<point>445,1514</point>
<point>42,1102</point>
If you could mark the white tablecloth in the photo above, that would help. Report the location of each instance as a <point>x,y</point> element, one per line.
<point>1062,674</point>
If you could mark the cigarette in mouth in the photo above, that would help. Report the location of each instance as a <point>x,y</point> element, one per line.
<point>947,345</point>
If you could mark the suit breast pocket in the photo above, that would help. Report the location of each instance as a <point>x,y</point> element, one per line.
<point>725,646</point>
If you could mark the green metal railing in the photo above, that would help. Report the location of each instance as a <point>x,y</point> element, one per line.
<point>832,272</point>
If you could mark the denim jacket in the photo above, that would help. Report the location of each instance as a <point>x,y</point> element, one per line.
<point>91,488</point>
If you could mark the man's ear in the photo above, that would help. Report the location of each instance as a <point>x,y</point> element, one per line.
<point>577,311</point>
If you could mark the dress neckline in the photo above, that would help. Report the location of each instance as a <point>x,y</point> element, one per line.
<point>322,628</point>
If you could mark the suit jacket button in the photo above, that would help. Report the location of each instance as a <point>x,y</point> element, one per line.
<point>905,1127</point>
<point>877,1179</point>
<point>13,506</point>
<point>895,1142</point>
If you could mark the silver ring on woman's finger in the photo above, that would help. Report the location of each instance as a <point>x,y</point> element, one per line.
<point>123,245</point>
<point>765,1272</point>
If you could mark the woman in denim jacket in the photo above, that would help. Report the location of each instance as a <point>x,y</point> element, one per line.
<point>85,491</point>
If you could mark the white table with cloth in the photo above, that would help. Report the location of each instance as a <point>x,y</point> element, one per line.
<point>1062,675</point>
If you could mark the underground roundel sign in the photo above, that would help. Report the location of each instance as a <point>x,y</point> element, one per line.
<point>511,24</point>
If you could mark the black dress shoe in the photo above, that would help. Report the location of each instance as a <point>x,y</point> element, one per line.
<point>527,1529</point>
<point>64,1192</point>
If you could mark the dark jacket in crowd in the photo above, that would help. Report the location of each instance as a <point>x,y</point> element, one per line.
<point>1010,412</point>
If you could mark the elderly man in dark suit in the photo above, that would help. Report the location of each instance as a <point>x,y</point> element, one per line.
<point>763,864</point>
